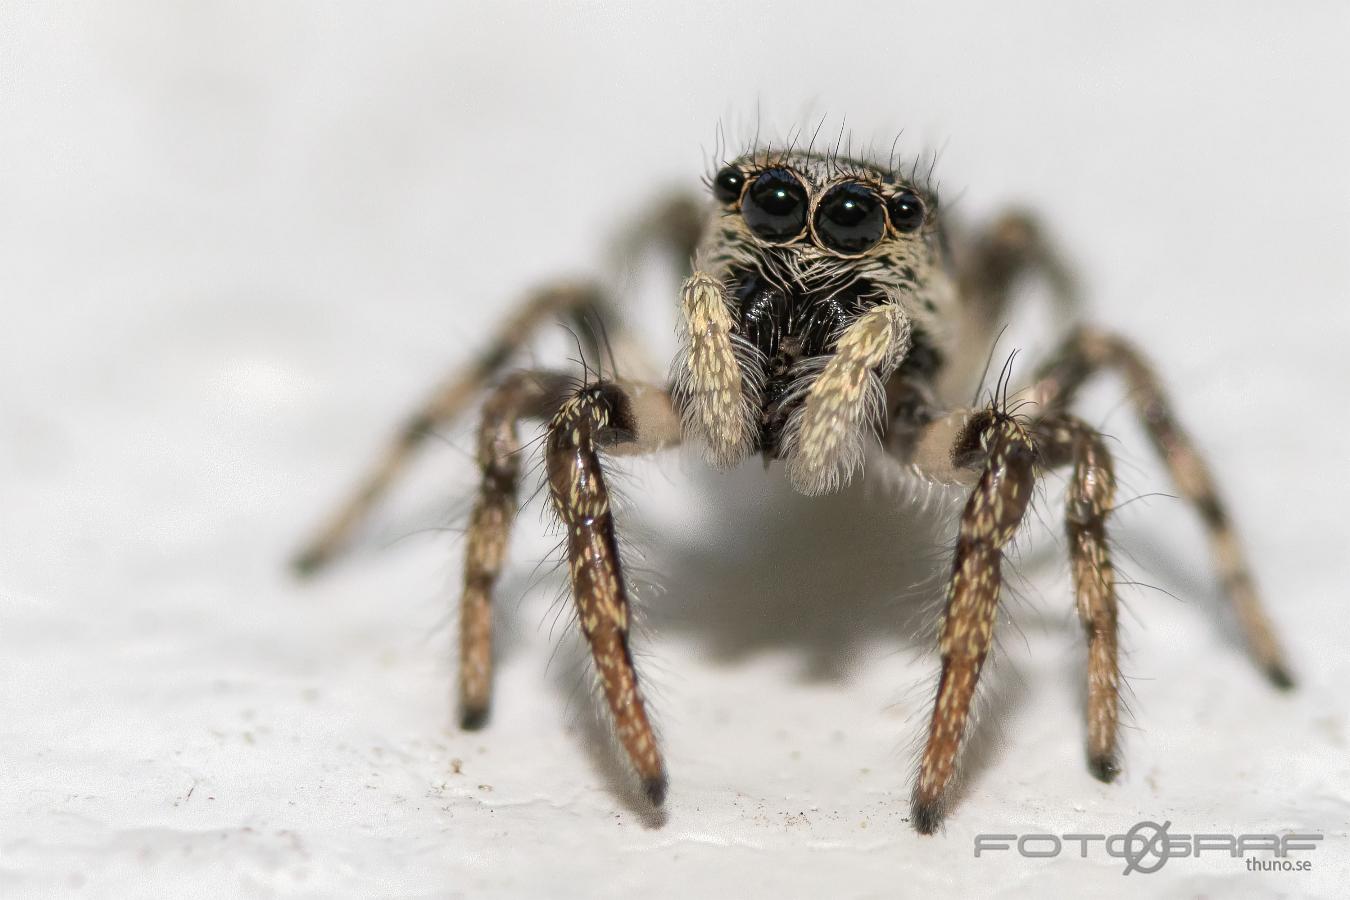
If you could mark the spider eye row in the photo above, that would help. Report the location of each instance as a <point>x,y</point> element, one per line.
<point>849,218</point>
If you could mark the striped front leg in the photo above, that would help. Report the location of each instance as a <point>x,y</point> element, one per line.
<point>991,517</point>
<point>593,417</point>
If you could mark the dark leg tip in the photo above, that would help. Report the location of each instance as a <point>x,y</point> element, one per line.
<point>1280,677</point>
<point>1103,768</point>
<point>473,718</point>
<point>305,564</point>
<point>926,816</point>
<point>655,789</point>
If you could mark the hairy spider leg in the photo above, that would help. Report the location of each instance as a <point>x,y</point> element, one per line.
<point>1088,352</point>
<point>989,521</point>
<point>629,419</point>
<point>1068,441</point>
<point>579,301</point>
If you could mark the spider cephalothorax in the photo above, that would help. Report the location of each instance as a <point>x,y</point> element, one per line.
<point>829,277</point>
<point>825,319</point>
<point>806,245</point>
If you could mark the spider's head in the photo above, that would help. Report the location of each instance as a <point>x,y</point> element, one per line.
<point>822,205</point>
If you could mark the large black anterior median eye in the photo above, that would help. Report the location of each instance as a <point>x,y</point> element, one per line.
<point>849,218</point>
<point>775,205</point>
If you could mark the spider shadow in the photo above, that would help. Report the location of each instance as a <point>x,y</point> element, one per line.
<point>766,570</point>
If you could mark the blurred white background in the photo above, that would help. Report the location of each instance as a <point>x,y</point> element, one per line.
<point>238,241</point>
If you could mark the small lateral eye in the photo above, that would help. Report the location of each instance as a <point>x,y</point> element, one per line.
<point>728,183</point>
<point>849,218</point>
<point>906,211</point>
<point>775,205</point>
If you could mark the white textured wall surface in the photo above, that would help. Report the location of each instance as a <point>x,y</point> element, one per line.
<point>237,241</point>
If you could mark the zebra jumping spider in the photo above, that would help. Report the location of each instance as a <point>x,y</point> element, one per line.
<point>830,313</point>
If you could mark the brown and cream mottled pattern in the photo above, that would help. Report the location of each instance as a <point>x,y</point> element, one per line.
<point>1090,499</point>
<point>991,517</point>
<point>810,355</point>
<point>523,394</point>
<point>1089,351</point>
<point>714,389</point>
<point>844,405</point>
<point>582,502</point>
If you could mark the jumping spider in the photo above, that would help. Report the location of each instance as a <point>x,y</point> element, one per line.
<point>830,313</point>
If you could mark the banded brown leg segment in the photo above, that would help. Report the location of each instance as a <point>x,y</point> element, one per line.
<point>1088,352</point>
<point>522,395</point>
<point>989,521</point>
<point>1013,245</point>
<point>1065,440</point>
<point>990,265</point>
<point>591,418</point>
<point>579,300</point>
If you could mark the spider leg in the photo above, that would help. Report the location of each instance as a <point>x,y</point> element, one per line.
<point>1088,352</point>
<point>1005,455</point>
<point>592,417</point>
<point>445,404</point>
<point>1013,245</point>
<point>824,438</point>
<point>642,421</point>
<point>673,224</point>
<point>711,373</point>
<point>990,264</point>
<point>1065,440</point>
<point>522,394</point>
